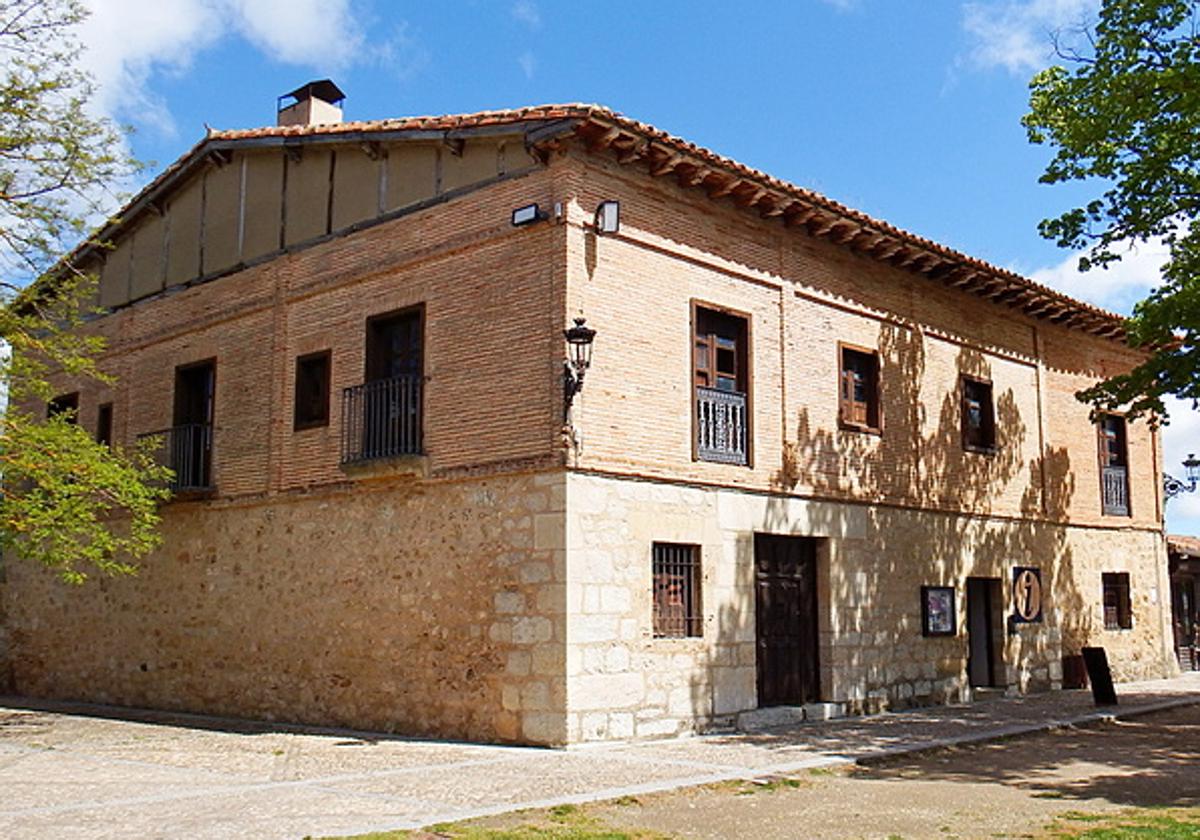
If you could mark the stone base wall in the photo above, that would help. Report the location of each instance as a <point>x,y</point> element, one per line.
<point>404,606</point>
<point>872,561</point>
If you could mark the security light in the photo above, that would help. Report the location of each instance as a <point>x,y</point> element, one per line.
<point>608,217</point>
<point>527,215</point>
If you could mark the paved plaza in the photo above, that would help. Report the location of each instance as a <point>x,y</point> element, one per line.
<point>82,771</point>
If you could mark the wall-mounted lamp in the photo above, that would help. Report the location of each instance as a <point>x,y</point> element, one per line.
<point>527,215</point>
<point>579,347</point>
<point>608,217</point>
<point>1173,486</point>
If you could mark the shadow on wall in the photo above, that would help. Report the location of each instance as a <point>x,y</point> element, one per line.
<point>872,624</point>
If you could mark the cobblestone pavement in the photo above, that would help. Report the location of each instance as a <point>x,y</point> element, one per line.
<point>81,771</point>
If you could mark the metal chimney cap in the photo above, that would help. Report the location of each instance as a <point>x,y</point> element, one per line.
<point>323,89</point>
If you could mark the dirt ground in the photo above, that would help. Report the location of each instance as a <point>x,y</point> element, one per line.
<point>1012,788</point>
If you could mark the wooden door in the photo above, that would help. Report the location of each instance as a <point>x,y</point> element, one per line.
<point>981,666</point>
<point>786,617</point>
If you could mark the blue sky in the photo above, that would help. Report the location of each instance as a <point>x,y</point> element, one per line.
<point>908,111</point>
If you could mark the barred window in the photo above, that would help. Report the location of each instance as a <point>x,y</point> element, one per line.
<point>1117,612</point>
<point>676,591</point>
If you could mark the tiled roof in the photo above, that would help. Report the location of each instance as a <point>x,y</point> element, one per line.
<point>1178,544</point>
<point>603,130</point>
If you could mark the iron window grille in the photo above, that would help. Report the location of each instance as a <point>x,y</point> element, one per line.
<point>676,582</point>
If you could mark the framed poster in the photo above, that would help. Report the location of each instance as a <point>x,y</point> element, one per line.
<point>1027,595</point>
<point>938,616</point>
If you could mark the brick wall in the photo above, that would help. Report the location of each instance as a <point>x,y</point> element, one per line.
<point>802,297</point>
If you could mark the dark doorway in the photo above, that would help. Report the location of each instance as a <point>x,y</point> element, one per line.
<point>983,598</point>
<point>1184,614</point>
<point>190,440</point>
<point>786,610</point>
<point>394,344</point>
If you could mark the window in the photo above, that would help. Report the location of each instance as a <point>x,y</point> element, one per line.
<point>978,415</point>
<point>1117,612</point>
<point>859,389</point>
<point>312,391</point>
<point>676,591</point>
<point>189,441</point>
<point>721,385</point>
<point>720,356</point>
<point>104,417</point>
<point>382,418</point>
<point>66,406</point>
<point>1114,465</point>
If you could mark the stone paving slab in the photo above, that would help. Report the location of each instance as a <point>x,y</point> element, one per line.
<point>80,771</point>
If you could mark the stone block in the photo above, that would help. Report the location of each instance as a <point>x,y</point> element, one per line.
<point>544,727</point>
<point>620,725</point>
<point>607,691</point>
<point>528,630</point>
<point>660,728</point>
<point>509,602</point>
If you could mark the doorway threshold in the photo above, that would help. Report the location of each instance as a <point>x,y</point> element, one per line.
<point>773,717</point>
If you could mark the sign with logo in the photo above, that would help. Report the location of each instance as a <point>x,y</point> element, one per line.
<point>1027,594</point>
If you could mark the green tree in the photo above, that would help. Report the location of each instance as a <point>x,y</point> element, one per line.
<point>1127,115</point>
<point>68,502</point>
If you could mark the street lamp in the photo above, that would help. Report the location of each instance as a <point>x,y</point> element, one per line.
<point>579,344</point>
<point>1174,486</point>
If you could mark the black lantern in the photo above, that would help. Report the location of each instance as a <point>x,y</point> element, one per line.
<point>1173,486</point>
<point>579,344</point>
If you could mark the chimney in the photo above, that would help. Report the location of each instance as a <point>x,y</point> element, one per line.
<point>316,103</point>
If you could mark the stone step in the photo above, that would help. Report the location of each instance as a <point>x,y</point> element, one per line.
<point>774,717</point>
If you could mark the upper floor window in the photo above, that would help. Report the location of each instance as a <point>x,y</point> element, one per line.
<point>189,441</point>
<point>65,406</point>
<point>721,379</point>
<point>382,418</point>
<point>978,415</point>
<point>312,391</point>
<point>858,383</point>
<point>1114,465</point>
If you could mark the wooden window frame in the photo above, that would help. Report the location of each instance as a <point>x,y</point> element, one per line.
<point>1119,583</point>
<point>691,624</point>
<point>965,381</point>
<point>1102,461</point>
<point>695,305</point>
<point>845,422</point>
<point>370,359</point>
<point>300,424</point>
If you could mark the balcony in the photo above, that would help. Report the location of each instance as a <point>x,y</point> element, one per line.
<point>382,419</point>
<point>187,451</point>
<point>721,430</point>
<point>1114,484</point>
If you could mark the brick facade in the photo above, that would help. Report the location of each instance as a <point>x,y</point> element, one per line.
<point>499,586</point>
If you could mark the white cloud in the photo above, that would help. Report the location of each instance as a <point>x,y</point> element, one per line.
<point>526,11</point>
<point>842,5</point>
<point>1115,288</point>
<point>528,64</point>
<point>1017,34</point>
<point>127,42</point>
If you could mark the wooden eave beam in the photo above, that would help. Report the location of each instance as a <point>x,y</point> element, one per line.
<point>603,140</point>
<point>750,198</point>
<point>844,233</point>
<point>667,166</point>
<point>725,189</point>
<point>772,206</point>
<point>633,152</point>
<point>801,216</point>
<point>696,176</point>
<point>822,225</point>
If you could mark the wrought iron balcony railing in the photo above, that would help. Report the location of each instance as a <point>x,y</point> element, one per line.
<point>721,429</point>
<point>382,419</point>
<point>1114,482</point>
<point>187,450</point>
